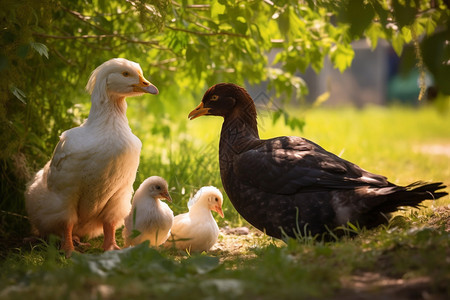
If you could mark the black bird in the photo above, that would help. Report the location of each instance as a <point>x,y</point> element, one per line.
<point>291,186</point>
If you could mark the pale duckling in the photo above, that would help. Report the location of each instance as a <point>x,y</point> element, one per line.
<point>150,218</point>
<point>196,230</point>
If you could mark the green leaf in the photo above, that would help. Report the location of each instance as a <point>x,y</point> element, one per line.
<point>372,34</point>
<point>295,123</point>
<point>404,12</point>
<point>191,52</point>
<point>284,21</point>
<point>342,56</point>
<point>406,33</point>
<point>359,15</point>
<point>382,12</point>
<point>135,233</point>
<point>397,43</point>
<point>240,26</point>
<point>217,9</point>
<point>100,265</point>
<point>18,93</point>
<point>201,264</point>
<point>40,48</point>
<point>430,25</point>
<point>136,260</point>
<point>276,115</point>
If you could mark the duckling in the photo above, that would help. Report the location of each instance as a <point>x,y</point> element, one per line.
<point>150,218</point>
<point>197,230</point>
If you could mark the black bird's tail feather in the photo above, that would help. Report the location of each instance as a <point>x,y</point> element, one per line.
<point>412,195</point>
<point>393,198</point>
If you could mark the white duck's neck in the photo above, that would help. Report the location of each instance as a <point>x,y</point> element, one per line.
<point>107,110</point>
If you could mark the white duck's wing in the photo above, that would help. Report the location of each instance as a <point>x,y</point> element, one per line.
<point>59,154</point>
<point>194,232</point>
<point>137,227</point>
<point>69,160</point>
<point>182,226</point>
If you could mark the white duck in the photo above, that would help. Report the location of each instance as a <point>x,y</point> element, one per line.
<point>86,187</point>
<point>150,218</point>
<point>197,230</point>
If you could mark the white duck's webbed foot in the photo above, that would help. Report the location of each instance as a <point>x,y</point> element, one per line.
<point>77,241</point>
<point>67,243</point>
<point>109,241</point>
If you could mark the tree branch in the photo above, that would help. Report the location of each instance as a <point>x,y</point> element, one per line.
<point>83,18</point>
<point>65,60</point>
<point>199,6</point>
<point>208,33</point>
<point>87,36</point>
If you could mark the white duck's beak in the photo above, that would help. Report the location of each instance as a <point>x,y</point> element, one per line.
<point>145,86</point>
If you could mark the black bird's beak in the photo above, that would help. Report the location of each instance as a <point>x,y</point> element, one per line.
<point>198,112</point>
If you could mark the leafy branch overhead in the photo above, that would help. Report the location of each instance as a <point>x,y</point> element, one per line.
<point>231,40</point>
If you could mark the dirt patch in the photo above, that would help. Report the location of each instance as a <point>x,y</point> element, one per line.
<point>239,241</point>
<point>370,285</point>
<point>441,217</point>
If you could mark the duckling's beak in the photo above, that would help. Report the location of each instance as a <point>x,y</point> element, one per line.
<point>218,209</point>
<point>199,111</point>
<point>145,86</point>
<point>166,195</point>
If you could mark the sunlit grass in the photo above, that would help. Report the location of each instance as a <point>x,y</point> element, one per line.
<point>392,141</point>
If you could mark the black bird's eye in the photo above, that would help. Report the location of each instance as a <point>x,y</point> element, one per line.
<point>214,98</point>
<point>125,74</point>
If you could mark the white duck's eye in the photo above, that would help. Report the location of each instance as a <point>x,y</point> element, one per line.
<point>125,74</point>
<point>214,98</point>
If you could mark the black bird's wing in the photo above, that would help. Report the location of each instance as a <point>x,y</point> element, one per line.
<point>287,165</point>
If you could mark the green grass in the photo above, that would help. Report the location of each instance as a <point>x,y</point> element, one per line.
<point>412,250</point>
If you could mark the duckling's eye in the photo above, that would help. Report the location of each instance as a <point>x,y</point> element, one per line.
<point>158,187</point>
<point>214,98</point>
<point>216,199</point>
<point>125,74</point>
